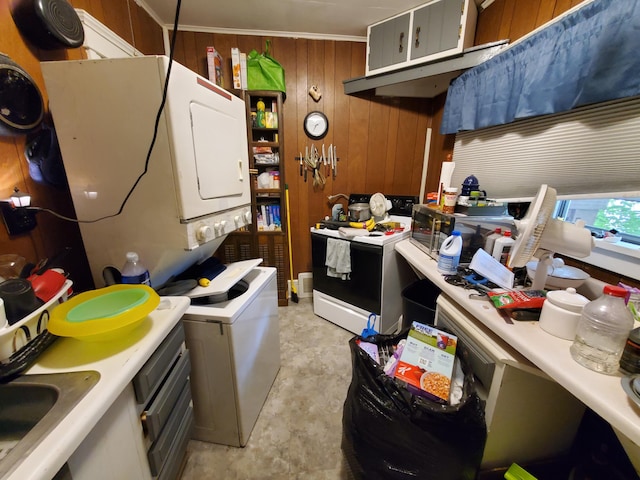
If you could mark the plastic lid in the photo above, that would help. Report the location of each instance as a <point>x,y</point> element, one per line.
<point>456,233</point>
<point>634,336</point>
<point>568,299</point>
<point>615,291</point>
<point>498,230</point>
<point>132,257</point>
<point>507,233</point>
<point>470,180</point>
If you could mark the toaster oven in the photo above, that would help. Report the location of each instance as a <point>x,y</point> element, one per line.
<point>430,227</point>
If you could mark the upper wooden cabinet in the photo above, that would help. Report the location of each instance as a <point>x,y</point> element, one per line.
<point>438,29</point>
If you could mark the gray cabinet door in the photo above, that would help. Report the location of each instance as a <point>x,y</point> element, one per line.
<point>436,28</point>
<point>389,42</point>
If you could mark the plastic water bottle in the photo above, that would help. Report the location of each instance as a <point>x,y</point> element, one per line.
<point>449,255</point>
<point>134,271</point>
<point>602,331</point>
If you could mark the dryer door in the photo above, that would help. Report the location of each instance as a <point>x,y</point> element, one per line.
<point>219,158</point>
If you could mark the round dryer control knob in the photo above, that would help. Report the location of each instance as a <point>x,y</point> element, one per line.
<point>204,233</point>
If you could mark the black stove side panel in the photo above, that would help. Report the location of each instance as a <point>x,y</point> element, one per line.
<point>364,288</point>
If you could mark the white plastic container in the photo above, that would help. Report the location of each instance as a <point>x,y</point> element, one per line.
<point>602,331</point>
<point>449,255</point>
<point>134,271</point>
<point>491,240</point>
<point>561,313</point>
<point>502,248</point>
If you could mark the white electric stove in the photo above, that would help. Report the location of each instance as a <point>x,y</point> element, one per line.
<point>378,274</point>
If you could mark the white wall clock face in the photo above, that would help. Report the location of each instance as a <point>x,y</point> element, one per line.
<point>316,125</point>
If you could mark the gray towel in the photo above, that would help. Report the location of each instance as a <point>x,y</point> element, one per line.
<point>338,260</point>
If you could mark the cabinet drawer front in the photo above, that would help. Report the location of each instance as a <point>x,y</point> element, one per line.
<point>151,374</point>
<point>159,411</point>
<point>161,447</point>
<point>173,463</point>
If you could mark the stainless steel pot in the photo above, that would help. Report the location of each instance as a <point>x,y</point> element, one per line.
<point>359,212</point>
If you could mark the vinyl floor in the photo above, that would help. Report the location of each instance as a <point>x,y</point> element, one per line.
<point>298,433</point>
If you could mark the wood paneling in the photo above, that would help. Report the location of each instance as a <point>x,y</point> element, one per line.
<point>52,234</point>
<point>380,141</point>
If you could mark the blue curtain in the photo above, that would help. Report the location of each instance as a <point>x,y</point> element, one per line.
<point>589,56</point>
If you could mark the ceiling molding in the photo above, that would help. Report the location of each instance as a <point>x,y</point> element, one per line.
<point>269,33</point>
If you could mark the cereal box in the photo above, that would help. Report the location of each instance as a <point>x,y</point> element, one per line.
<point>214,66</point>
<point>235,68</point>
<point>427,360</point>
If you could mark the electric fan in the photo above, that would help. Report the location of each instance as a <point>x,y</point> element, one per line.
<point>541,236</point>
<point>379,206</point>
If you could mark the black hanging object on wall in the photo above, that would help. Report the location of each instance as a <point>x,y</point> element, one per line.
<point>21,105</point>
<point>45,160</point>
<point>48,24</point>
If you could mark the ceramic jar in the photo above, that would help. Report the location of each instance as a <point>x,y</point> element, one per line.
<point>561,312</point>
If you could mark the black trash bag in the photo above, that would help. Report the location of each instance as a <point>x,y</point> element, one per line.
<point>389,434</point>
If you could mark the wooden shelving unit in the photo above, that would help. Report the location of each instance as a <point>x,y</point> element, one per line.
<point>266,237</point>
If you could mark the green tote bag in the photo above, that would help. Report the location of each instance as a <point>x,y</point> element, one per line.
<point>263,72</point>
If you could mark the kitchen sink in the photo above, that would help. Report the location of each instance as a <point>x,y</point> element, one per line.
<point>31,406</point>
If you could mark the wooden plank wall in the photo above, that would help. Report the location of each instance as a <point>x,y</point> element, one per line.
<point>380,140</point>
<point>53,234</point>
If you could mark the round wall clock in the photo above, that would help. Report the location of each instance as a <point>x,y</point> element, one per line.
<point>316,125</point>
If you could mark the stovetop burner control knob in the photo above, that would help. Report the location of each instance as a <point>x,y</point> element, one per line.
<point>204,233</point>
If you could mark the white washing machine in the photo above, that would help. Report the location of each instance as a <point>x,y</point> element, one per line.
<point>234,346</point>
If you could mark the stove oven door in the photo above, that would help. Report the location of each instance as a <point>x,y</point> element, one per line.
<point>364,288</point>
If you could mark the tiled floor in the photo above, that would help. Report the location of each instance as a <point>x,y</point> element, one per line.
<point>299,430</point>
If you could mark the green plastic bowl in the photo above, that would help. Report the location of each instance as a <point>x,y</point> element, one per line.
<point>103,314</point>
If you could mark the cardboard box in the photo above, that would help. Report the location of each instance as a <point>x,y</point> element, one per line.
<point>427,360</point>
<point>236,69</point>
<point>214,66</point>
<point>243,70</point>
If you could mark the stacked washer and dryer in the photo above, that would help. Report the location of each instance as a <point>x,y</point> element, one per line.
<point>172,190</point>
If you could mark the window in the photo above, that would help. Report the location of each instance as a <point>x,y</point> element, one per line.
<point>604,214</point>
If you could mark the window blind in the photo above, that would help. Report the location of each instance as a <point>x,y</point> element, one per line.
<point>592,151</point>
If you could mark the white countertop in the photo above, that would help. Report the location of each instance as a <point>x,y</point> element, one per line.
<point>602,393</point>
<point>117,362</point>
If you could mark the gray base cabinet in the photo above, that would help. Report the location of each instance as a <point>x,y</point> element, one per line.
<point>433,31</point>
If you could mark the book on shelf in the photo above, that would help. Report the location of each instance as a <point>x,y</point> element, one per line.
<point>268,218</point>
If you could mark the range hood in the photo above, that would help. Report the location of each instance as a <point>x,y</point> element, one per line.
<point>426,80</point>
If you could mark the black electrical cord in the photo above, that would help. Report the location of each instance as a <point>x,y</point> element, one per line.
<point>153,140</point>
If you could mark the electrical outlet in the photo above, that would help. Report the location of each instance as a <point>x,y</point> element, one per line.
<point>18,220</point>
